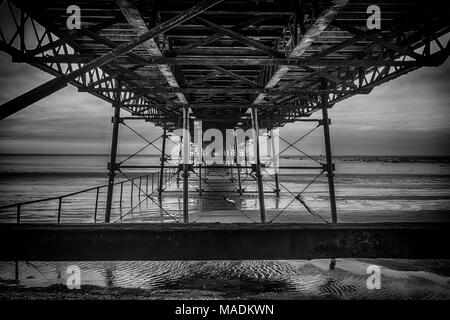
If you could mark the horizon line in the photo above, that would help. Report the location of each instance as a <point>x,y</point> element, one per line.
<point>287,155</point>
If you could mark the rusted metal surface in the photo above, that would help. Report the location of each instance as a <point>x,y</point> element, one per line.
<point>311,35</point>
<point>135,19</point>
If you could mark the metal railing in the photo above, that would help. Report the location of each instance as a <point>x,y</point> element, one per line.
<point>151,185</point>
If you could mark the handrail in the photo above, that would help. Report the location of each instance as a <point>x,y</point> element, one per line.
<point>70,194</point>
<point>97,188</point>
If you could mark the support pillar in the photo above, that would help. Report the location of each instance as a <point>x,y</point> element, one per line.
<point>113,154</point>
<point>180,156</point>
<point>186,157</point>
<point>275,163</point>
<point>198,156</point>
<point>229,147</point>
<point>163,161</point>
<point>200,178</point>
<point>255,127</point>
<point>246,145</point>
<point>329,157</point>
<point>238,164</point>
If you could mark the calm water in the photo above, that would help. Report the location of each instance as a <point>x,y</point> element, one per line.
<point>368,189</point>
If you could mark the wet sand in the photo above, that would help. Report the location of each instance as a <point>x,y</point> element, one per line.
<point>315,279</point>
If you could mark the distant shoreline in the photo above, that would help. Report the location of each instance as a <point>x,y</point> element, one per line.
<point>441,157</point>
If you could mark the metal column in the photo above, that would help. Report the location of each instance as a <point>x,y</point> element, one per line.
<point>255,128</point>
<point>200,179</point>
<point>180,156</point>
<point>229,151</point>
<point>246,156</point>
<point>113,155</point>
<point>163,161</point>
<point>238,164</point>
<point>275,163</point>
<point>199,154</point>
<point>186,157</point>
<point>329,157</point>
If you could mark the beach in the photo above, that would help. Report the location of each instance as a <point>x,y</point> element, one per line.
<point>368,189</point>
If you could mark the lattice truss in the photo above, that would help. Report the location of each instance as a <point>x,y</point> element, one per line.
<point>24,37</point>
<point>282,56</point>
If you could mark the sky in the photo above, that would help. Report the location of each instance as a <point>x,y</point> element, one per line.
<point>406,116</point>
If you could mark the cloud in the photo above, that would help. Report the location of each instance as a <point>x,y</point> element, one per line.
<point>408,115</point>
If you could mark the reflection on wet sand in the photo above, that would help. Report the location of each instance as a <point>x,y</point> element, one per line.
<point>320,279</point>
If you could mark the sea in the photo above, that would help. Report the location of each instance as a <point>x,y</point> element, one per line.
<point>368,189</point>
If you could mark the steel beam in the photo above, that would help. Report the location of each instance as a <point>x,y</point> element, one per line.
<point>236,61</point>
<point>255,128</point>
<point>329,157</point>
<point>55,84</point>
<point>308,38</point>
<point>238,164</point>
<point>275,163</point>
<point>163,161</point>
<point>216,90</point>
<point>135,19</point>
<point>186,157</point>
<point>214,37</point>
<point>113,155</point>
<point>30,97</point>
<point>239,37</point>
<point>198,128</point>
<point>235,76</point>
<point>73,35</point>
